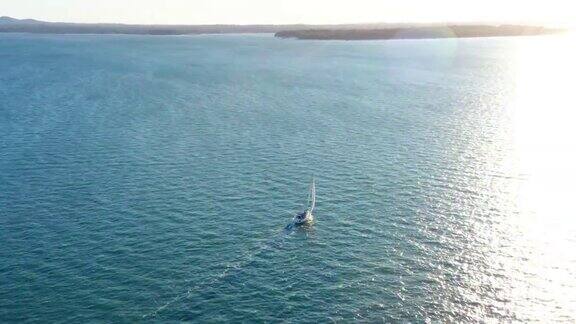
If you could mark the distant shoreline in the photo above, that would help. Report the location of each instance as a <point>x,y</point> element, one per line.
<point>433,32</point>
<point>298,31</point>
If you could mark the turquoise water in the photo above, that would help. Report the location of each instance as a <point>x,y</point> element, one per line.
<point>151,178</point>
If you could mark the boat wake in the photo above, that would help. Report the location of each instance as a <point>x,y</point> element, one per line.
<point>233,269</point>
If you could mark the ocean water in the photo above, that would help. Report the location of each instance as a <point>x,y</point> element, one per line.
<point>151,179</point>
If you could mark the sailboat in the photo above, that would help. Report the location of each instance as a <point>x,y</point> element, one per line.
<point>306,217</point>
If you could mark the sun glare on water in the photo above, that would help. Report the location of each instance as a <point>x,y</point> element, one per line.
<point>543,115</point>
<point>543,131</point>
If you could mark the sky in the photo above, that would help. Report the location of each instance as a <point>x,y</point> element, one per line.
<point>291,11</point>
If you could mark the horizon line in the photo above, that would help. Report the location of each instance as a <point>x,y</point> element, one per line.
<point>426,23</point>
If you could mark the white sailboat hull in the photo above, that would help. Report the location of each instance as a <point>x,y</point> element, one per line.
<point>304,218</point>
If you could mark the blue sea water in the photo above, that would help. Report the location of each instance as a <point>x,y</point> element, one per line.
<point>151,178</point>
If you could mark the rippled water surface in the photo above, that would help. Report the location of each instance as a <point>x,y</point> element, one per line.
<point>151,178</point>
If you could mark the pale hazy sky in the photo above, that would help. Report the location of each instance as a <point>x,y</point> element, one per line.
<point>290,11</point>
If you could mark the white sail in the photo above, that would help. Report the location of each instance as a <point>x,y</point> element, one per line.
<point>312,199</point>
<point>306,217</point>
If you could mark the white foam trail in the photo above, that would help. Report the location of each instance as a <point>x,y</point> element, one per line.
<point>230,270</point>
